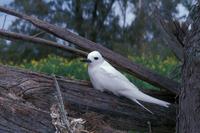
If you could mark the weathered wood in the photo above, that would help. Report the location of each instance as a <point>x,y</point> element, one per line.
<point>188,118</point>
<point>19,117</point>
<point>135,69</point>
<point>27,97</point>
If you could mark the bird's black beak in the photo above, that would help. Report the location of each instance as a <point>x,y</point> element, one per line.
<point>86,60</point>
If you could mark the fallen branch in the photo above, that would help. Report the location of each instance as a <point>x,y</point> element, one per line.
<point>26,96</point>
<point>21,117</point>
<point>37,40</point>
<point>135,69</point>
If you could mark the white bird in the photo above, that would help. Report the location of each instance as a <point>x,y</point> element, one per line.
<point>105,77</point>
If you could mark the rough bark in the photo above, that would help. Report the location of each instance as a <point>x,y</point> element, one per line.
<point>19,117</point>
<point>26,97</point>
<point>188,119</point>
<point>135,69</point>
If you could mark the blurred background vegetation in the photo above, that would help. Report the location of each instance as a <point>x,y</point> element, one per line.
<point>128,27</point>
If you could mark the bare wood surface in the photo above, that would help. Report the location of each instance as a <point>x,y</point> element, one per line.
<point>135,69</point>
<point>19,117</point>
<point>26,98</point>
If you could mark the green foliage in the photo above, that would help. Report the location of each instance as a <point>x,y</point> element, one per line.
<point>78,70</point>
<point>59,66</point>
<point>157,64</point>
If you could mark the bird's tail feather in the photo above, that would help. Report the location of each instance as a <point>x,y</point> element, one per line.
<point>143,106</point>
<point>146,98</point>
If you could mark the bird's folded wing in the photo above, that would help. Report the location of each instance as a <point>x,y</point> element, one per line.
<point>114,78</point>
<point>111,72</point>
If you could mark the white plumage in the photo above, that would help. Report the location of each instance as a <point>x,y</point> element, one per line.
<point>104,77</point>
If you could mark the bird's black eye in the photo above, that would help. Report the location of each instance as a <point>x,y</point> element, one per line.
<point>96,58</point>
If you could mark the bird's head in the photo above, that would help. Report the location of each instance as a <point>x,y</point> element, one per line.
<point>94,58</point>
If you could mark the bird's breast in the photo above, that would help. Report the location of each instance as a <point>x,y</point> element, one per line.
<point>95,79</point>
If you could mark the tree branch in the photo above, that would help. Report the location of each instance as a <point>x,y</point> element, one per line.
<point>174,34</point>
<point>37,40</point>
<point>102,21</point>
<point>124,63</point>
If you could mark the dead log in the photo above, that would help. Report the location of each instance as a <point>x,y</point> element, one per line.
<point>19,117</point>
<point>26,98</point>
<point>135,69</point>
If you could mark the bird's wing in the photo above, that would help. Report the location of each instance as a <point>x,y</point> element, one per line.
<point>112,80</point>
<point>116,75</point>
<point>112,72</point>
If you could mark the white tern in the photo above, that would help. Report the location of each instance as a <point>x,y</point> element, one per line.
<point>105,77</point>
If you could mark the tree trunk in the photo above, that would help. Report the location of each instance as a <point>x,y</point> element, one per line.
<point>188,119</point>
<point>26,98</point>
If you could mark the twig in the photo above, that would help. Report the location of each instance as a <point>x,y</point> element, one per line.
<point>4,21</point>
<point>175,72</point>
<point>70,125</point>
<point>149,126</point>
<point>42,32</point>
<point>62,107</point>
